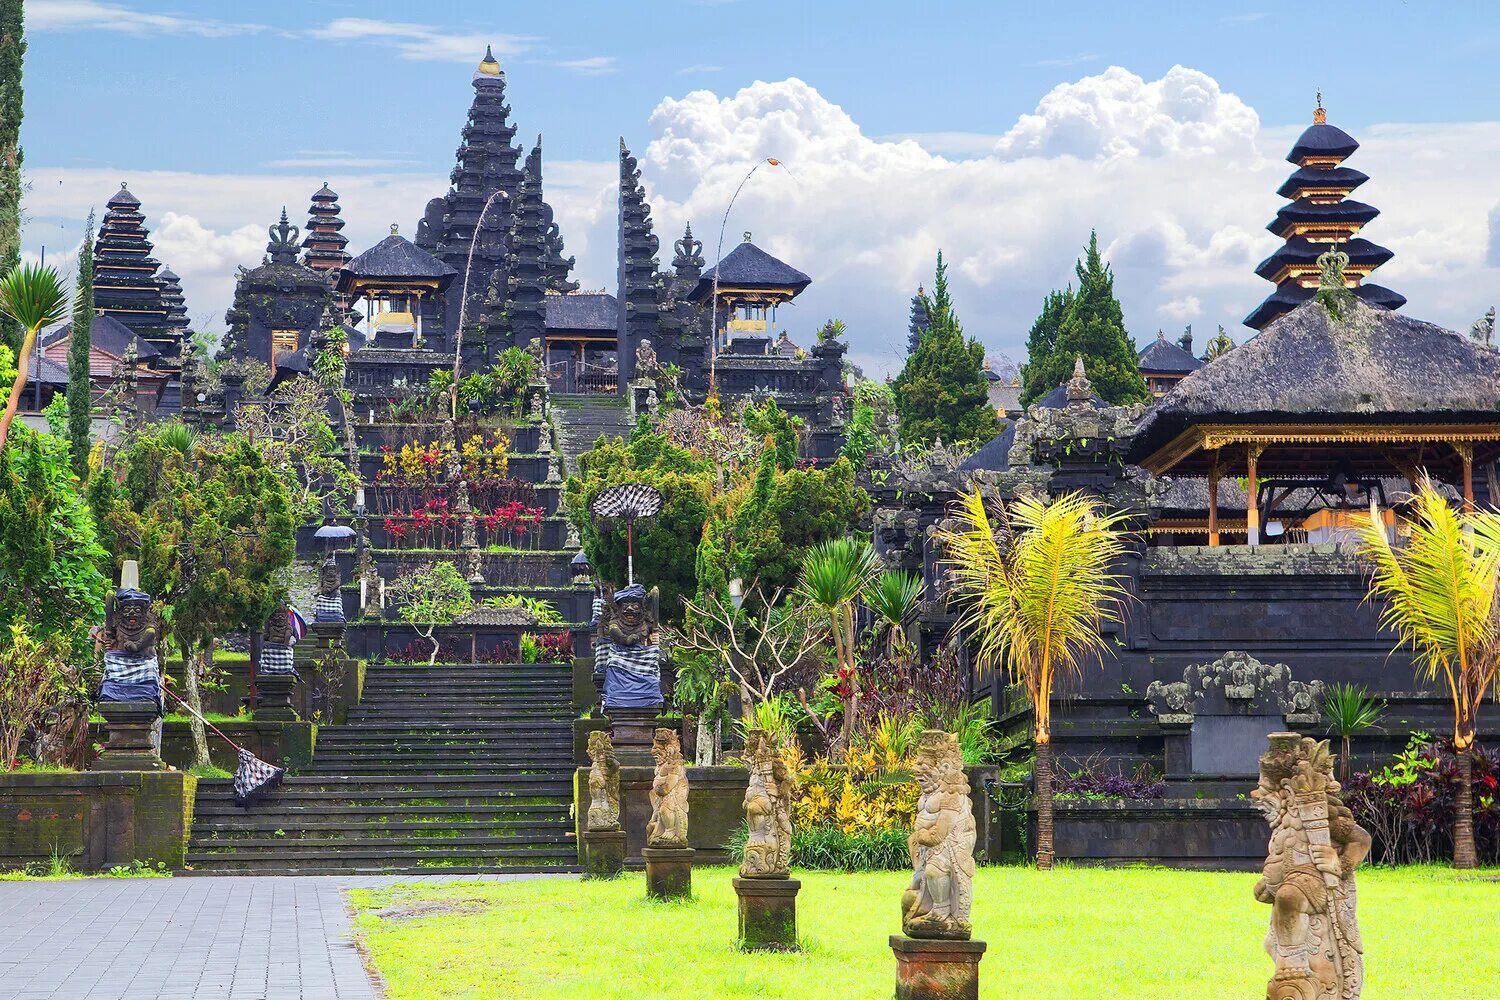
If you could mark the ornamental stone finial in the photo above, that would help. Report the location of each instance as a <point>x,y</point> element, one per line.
<point>1331,264</point>
<point>1080,390</point>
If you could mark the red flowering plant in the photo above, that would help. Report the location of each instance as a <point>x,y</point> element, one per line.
<point>513,525</point>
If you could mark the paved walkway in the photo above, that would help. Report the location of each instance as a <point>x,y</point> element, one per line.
<point>237,938</point>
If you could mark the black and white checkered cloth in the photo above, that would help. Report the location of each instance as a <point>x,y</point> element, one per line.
<point>276,659</point>
<point>254,778</point>
<point>127,668</point>
<point>642,661</point>
<point>598,609</point>
<point>328,608</point>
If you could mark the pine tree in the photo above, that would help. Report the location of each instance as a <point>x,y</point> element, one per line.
<point>80,392</point>
<point>1094,328</point>
<point>12,52</point>
<point>942,390</point>
<point>1041,343</point>
<point>916,323</point>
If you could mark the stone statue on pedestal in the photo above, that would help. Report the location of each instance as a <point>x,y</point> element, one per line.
<point>937,903</point>
<point>1308,877</point>
<point>131,669</point>
<point>604,784</point>
<point>668,825</point>
<point>627,645</point>
<point>328,606</point>
<point>768,810</point>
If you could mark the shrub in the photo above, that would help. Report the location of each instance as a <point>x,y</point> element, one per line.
<point>1409,805</point>
<point>1094,783</point>
<point>828,848</point>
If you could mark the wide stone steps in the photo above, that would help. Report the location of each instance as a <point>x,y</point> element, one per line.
<point>451,767</point>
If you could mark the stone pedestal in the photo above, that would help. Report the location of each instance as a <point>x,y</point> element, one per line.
<point>768,913</point>
<point>669,872</point>
<point>329,635</point>
<point>603,853</point>
<point>631,731</point>
<point>129,747</point>
<point>936,970</point>
<point>275,704</point>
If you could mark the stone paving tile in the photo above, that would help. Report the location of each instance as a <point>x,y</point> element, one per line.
<point>260,938</point>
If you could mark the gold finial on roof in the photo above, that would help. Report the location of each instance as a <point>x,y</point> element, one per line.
<point>1320,117</point>
<point>488,66</point>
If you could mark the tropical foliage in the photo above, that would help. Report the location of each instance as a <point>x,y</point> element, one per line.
<point>33,297</point>
<point>1034,584</point>
<point>1440,592</point>
<point>430,596</point>
<point>1410,805</point>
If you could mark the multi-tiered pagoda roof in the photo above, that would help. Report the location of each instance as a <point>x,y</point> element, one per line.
<point>125,281</point>
<point>1320,214</point>
<point>174,302</point>
<point>324,245</point>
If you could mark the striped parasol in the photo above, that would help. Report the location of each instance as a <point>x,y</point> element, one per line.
<point>627,502</point>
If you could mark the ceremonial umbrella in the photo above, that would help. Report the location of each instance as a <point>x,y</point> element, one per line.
<point>628,502</point>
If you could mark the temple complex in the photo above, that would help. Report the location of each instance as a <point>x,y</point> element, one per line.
<point>278,306</point>
<point>1163,364</point>
<point>1320,215</point>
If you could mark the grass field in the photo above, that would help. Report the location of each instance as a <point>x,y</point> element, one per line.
<point>1071,934</point>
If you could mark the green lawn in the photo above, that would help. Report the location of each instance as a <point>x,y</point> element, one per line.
<point>1072,934</point>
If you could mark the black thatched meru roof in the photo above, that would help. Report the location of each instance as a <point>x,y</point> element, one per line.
<point>1373,366</point>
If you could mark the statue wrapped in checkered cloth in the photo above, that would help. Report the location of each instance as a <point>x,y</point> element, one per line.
<point>131,669</point>
<point>276,643</point>
<point>328,606</point>
<point>627,645</point>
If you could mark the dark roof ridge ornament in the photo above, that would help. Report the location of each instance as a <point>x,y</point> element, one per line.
<point>283,247</point>
<point>1320,117</point>
<point>1331,264</point>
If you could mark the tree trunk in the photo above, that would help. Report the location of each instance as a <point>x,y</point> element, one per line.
<point>1344,761</point>
<point>706,743</point>
<point>192,660</point>
<point>431,636</point>
<point>1043,777</point>
<point>23,363</point>
<point>1464,854</point>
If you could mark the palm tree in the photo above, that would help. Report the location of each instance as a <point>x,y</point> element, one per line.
<point>834,575</point>
<point>1035,586</point>
<point>893,596</point>
<point>1441,597</point>
<point>1350,710</point>
<point>32,296</point>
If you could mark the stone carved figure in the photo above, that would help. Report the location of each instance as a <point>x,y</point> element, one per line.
<point>604,783</point>
<point>627,644</point>
<point>1308,877</point>
<point>329,604</point>
<point>668,825</point>
<point>937,903</point>
<point>646,364</point>
<point>131,669</point>
<point>276,642</point>
<point>768,809</point>
<point>1240,681</point>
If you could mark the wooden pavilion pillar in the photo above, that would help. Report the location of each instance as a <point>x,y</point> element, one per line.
<point>1213,502</point>
<point>1466,452</point>
<point>1252,512</point>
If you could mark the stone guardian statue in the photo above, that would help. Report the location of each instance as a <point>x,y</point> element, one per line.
<point>937,903</point>
<point>328,606</point>
<point>1308,877</point>
<point>627,645</point>
<point>668,825</point>
<point>768,810</point>
<point>604,784</point>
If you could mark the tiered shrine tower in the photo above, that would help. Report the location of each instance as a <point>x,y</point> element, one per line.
<point>1320,215</point>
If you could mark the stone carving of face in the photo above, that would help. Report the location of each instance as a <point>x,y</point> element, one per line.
<point>279,626</point>
<point>632,612</point>
<point>135,615</point>
<point>328,577</point>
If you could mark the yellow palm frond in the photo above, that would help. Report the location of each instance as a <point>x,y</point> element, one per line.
<point>1035,585</point>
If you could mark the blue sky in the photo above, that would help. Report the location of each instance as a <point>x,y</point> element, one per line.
<point>226,110</point>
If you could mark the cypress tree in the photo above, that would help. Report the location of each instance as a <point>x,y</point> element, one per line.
<point>80,394</point>
<point>942,390</point>
<point>12,51</point>
<point>1041,343</point>
<point>1094,328</point>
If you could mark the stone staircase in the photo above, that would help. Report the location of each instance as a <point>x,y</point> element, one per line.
<point>582,417</point>
<point>453,768</point>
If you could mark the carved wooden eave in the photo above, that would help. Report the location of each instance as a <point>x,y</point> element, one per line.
<point>1213,437</point>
